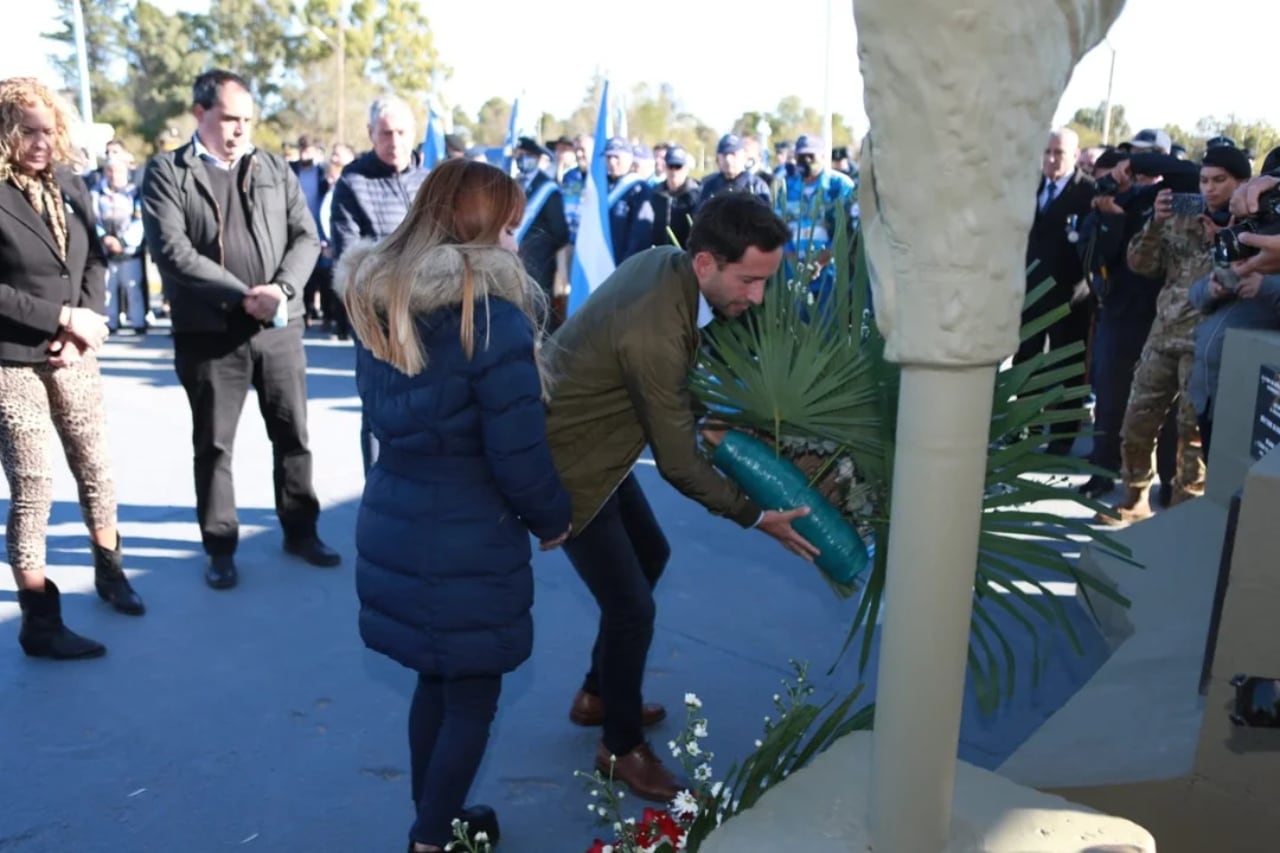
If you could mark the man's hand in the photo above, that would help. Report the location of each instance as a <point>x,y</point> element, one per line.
<point>1267,261</point>
<point>777,523</point>
<point>1210,227</point>
<point>262,300</point>
<point>1216,291</point>
<point>552,544</point>
<point>1164,206</point>
<point>1107,204</point>
<point>1249,285</point>
<point>84,325</point>
<point>112,245</point>
<point>1244,201</point>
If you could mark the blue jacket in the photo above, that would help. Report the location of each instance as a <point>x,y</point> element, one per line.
<point>463,475</point>
<point>1230,312</point>
<point>631,221</point>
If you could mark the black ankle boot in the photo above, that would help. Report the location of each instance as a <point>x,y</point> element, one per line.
<point>110,581</point>
<point>43,635</point>
<point>479,819</point>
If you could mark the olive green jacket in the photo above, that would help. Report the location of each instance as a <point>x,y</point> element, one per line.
<point>619,369</point>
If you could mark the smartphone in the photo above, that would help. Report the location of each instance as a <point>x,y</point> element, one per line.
<point>1187,204</point>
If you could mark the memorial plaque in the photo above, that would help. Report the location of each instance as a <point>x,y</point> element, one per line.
<point>1266,413</point>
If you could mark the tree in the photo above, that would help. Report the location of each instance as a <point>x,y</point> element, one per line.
<point>1258,137</point>
<point>492,122</point>
<point>253,38</point>
<point>404,51</point>
<point>1094,119</point>
<point>104,47</point>
<point>161,69</point>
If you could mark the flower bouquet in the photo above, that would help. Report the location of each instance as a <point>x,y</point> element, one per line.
<point>796,731</point>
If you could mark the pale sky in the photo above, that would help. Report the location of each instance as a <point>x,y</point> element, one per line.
<point>1174,62</point>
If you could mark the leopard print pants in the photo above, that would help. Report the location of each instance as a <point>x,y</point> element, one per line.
<point>35,399</point>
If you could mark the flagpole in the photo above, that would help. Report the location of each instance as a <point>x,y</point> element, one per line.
<point>82,62</point>
<point>826,77</point>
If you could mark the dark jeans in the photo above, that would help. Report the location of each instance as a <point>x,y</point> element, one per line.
<point>217,370</point>
<point>620,555</point>
<point>449,722</point>
<point>1117,347</point>
<point>1070,329</point>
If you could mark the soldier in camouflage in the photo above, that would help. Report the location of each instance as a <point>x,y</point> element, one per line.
<point>1178,250</point>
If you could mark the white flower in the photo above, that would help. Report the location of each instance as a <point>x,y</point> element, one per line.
<point>601,811</point>
<point>693,749</point>
<point>674,747</point>
<point>691,700</point>
<point>776,698</point>
<point>702,773</point>
<point>591,807</point>
<point>608,848</point>
<point>759,743</point>
<point>482,838</point>
<point>685,805</point>
<point>700,729</point>
<point>594,792</point>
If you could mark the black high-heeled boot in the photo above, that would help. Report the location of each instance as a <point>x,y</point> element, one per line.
<point>43,634</point>
<point>110,581</point>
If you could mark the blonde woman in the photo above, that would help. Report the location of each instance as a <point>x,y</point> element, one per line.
<point>447,324</point>
<point>51,324</point>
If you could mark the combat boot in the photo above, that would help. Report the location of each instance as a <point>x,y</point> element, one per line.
<point>1136,506</point>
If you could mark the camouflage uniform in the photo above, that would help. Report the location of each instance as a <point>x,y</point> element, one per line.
<point>1177,252</point>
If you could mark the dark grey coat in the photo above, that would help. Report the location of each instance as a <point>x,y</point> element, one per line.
<point>182,223</point>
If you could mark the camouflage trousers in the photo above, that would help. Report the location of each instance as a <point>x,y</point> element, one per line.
<point>1159,383</point>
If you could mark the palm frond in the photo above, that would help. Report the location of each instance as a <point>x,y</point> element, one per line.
<point>815,369</point>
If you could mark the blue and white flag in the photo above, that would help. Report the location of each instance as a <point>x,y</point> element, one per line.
<point>513,136</point>
<point>433,142</point>
<point>593,251</point>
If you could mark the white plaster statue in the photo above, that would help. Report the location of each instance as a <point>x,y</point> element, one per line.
<point>960,95</point>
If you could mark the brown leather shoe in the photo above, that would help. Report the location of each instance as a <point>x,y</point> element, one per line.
<point>641,771</point>
<point>588,710</point>
<point>1136,506</point>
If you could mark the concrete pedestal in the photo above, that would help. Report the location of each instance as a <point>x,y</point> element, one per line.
<point>824,809</point>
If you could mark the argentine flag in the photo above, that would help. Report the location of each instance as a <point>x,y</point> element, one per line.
<point>593,252</point>
<point>433,142</point>
<point>513,137</point>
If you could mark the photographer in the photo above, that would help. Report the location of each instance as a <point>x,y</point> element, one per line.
<point>1226,301</point>
<point>1174,245</point>
<point>1256,202</point>
<point>1126,307</point>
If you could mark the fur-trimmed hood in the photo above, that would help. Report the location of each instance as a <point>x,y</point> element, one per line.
<point>437,281</point>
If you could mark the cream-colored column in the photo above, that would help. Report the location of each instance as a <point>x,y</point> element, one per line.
<point>960,95</point>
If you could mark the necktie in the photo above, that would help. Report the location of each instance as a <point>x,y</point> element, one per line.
<point>1049,192</point>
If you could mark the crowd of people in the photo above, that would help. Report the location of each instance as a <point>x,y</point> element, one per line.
<point>488,416</point>
<point>1144,246</point>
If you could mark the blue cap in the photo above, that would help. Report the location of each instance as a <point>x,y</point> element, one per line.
<point>811,144</point>
<point>642,152</point>
<point>617,145</point>
<point>729,144</point>
<point>677,157</point>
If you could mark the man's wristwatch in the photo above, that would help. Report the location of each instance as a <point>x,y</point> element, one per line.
<point>287,289</point>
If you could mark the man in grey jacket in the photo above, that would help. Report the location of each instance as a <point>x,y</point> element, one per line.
<point>374,195</point>
<point>235,243</point>
<point>1227,301</point>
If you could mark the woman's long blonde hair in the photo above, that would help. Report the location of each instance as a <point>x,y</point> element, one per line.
<point>21,93</point>
<point>462,203</point>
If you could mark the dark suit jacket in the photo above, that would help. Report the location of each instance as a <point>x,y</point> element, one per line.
<point>35,283</point>
<point>1049,245</point>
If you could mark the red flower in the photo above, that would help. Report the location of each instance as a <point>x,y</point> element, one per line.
<point>658,825</point>
<point>597,847</point>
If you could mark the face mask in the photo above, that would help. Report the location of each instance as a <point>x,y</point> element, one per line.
<point>808,168</point>
<point>527,165</point>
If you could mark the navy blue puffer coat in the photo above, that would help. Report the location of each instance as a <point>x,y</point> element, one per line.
<point>462,477</point>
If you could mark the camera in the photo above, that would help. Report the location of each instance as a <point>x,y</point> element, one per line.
<point>1107,185</point>
<point>1227,247</point>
